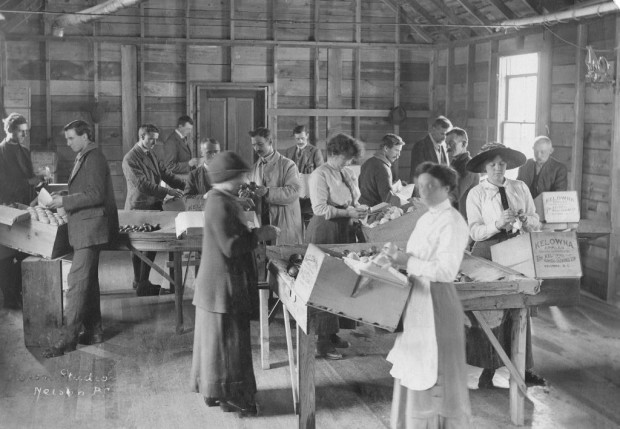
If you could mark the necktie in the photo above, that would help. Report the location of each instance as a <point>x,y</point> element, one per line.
<point>504,198</point>
<point>76,166</point>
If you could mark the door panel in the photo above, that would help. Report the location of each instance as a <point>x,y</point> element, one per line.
<point>228,114</point>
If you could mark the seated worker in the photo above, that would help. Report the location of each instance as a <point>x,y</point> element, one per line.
<point>543,173</point>
<point>198,183</point>
<point>375,180</point>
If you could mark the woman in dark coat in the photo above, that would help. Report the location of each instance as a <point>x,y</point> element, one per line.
<point>222,361</point>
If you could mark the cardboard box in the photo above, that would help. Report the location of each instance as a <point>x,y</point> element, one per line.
<point>326,282</point>
<point>558,207</point>
<point>31,236</point>
<point>398,229</point>
<point>543,255</point>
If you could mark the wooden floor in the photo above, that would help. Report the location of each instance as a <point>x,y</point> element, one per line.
<point>139,377</point>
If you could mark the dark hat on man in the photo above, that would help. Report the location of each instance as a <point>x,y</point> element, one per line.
<point>226,166</point>
<point>489,151</point>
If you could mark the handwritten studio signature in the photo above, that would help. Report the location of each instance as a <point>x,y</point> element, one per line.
<point>66,383</point>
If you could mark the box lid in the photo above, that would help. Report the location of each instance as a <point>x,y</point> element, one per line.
<point>11,215</point>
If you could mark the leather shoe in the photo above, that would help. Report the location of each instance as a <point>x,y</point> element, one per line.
<point>534,379</point>
<point>331,354</point>
<point>212,402</point>
<point>164,291</point>
<point>90,338</point>
<point>58,349</point>
<point>246,409</point>
<point>339,342</point>
<point>147,289</point>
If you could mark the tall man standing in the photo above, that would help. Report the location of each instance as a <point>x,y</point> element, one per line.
<point>376,173</point>
<point>278,183</point>
<point>431,148</point>
<point>144,172</point>
<point>544,173</point>
<point>175,153</point>
<point>307,158</point>
<point>198,183</point>
<point>16,180</point>
<point>457,140</point>
<point>93,222</point>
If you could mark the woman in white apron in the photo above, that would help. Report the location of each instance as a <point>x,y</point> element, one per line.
<point>428,357</point>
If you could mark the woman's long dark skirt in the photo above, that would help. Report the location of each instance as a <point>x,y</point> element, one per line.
<point>480,351</point>
<point>333,231</point>
<point>222,359</point>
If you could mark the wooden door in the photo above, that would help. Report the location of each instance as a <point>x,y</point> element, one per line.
<point>228,114</point>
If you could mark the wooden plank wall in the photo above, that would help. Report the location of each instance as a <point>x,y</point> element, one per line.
<point>164,70</point>
<point>596,118</point>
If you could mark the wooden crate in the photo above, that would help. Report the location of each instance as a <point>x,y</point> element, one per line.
<point>326,282</point>
<point>33,237</point>
<point>558,207</point>
<point>398,229</point>
<point>543,255</point>
<point>43,283</point>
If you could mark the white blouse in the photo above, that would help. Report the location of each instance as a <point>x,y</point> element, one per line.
<point>484,207</point>
<point>435,251</point>
<point>328,189</point>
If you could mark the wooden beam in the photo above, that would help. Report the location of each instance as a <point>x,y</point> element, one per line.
<point>358,67</point>
<point>580,106</point>
<point>544,86</point>
<point>231,49</point>
<point>396,127</point>
<point>95,47</point>
<point>275,66</point>
<point>350,113</point>
<point>508,34</point>
<point>534,5</point>
<point>48,87</point>
<point>129,91</point>
<point>504,9</point>
<point>473,11</point>
<point>492,92</point>
<point>613,273</point>
<point>188,108</point>
<point>317,68</point>
<point>121,40</point>
<point>141,76</point>
<point>334,88</point>
<point>453,19</point>
<point>433,67</point>
<point>449,79</point>
<point>469,80</point>
<point>409,19</point>
<point>518,390</point>
<point>420,10</point>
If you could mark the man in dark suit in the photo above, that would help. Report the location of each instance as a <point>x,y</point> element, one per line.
<point>144,172</point>
<point>93,222</point>
<point>431,148</point>
<point>375,179</point>
<point>175,152</point>
<point>457,141</point>
<point>543,173</point>
<point>307,158</point>
<point>198,183</point>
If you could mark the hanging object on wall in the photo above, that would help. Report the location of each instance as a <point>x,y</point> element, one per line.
<point>600,73</point>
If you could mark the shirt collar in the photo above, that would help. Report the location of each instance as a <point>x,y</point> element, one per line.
<point>180,135</point>
<point>381,156</point>
<point>268,158</point>
<point>490,185</point>
<point>441,206</point>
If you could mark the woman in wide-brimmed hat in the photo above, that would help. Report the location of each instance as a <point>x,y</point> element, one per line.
<point>497,209</point>
<point>222,359</point>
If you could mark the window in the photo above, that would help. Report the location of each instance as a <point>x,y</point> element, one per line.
<point>518,89</point>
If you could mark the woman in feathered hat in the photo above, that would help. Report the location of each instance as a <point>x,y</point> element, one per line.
<point>222,359</point>
<point>497,209</point>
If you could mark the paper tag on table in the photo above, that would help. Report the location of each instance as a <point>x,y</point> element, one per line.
<point>403,192</point>
<point>44,199</point>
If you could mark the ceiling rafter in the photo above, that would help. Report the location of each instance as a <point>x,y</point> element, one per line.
<point>415,7</point>
<point>475,13</point>
<point>535,6</point>
<point>504,9</point>
<point>453,18</point>
<point>409,19</point>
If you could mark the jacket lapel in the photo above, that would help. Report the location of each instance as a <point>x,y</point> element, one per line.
<point>80,162</point>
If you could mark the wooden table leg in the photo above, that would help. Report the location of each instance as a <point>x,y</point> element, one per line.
<point>291,356</point>
<point>517,398</point>
<point>178,290</point>
<point>263,296</point>
<point>307,398</point>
